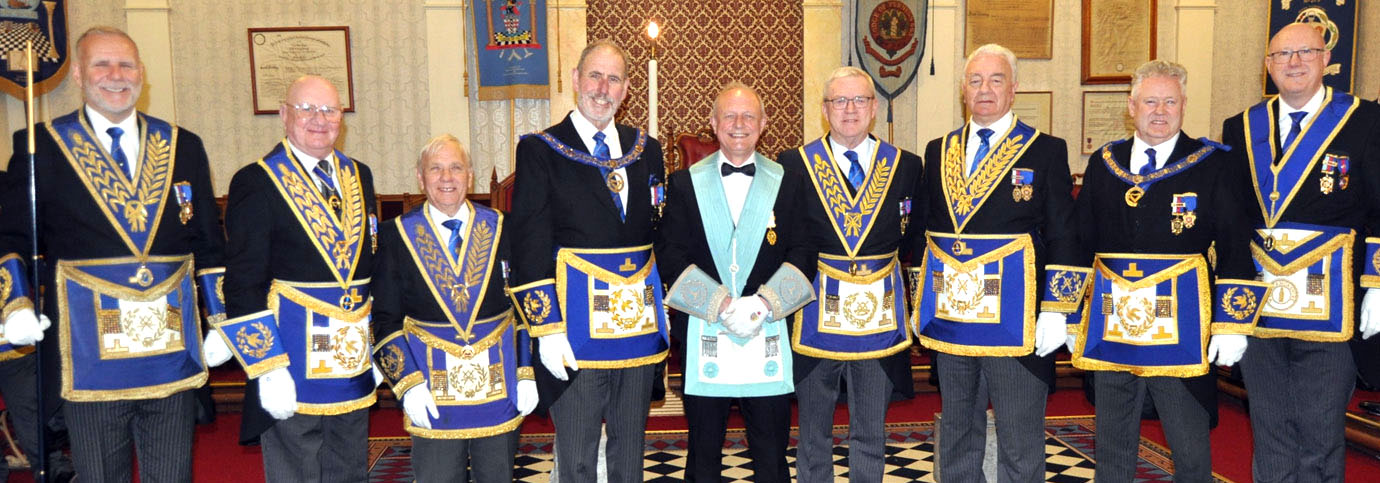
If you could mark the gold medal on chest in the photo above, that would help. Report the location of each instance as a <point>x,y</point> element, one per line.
<point>614,181</point>
<point>1133,196</point>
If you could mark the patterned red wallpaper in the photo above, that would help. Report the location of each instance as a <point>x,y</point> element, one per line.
<point>705,44</point>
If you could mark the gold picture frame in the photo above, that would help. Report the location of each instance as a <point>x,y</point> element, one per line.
<point>1118,36</point>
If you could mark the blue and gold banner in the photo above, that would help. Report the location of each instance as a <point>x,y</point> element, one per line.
<point>44,23</point>
<point>1336,20</point>
<point>510,49</point>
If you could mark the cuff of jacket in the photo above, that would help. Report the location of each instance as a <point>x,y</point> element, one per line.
<point>523,349</point>
<point>540,307</point>
<point>786,291</point>
<point>14,286</point>
<point>209,282</point>
<point>395,360</point>
<point>697,294</point>
<point>1371,277</point>
<point>254,340</point>
<point>1065,287</point>
<point>1237,306</point>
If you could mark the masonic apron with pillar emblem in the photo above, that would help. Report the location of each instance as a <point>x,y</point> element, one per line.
<point>1309,267</point>
<point>977,293</point>
<point>129,326</point>
<point>717,362</point>
<point>470,365</point>
<point>321,329</point>
<point>861,309</point>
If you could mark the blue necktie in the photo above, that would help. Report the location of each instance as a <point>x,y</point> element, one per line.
<point>601,151</point>
<point>117,152</point>
<point>455,240</point>
<point>1293,130</point>
<point>983,147</point>
<point>1149,167</point>
<point>855,171</point>
<point>323,171</point>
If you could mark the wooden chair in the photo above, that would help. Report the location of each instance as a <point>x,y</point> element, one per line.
<point>689,148</point>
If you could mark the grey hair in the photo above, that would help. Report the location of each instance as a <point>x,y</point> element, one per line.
<point>604,44</point>
<point>991,49</point>
<point>733,86</point>
<point>103,30</point>
<point>437,143</point>
<point>1159,68</point>
<point>849,71</point>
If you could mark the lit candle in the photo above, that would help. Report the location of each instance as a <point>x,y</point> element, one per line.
<point>652,31</point>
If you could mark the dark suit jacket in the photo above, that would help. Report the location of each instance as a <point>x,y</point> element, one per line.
<point>884,238</point>
<point>1047,216</point>
<point>265,242</point>
<point>400,289</point>
<point>682,240</point>
<point>1357,207</point>
<point>562,203</point>
<point>71,225</point>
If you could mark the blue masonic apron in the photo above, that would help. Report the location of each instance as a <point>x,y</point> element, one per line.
<point>1308,267</point>
<point>129,326</point>
<point>717,362</point>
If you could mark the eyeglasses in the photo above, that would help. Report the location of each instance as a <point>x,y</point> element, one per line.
<point>1283,56</point>
<point>843,102</point>
<point>307,111</point>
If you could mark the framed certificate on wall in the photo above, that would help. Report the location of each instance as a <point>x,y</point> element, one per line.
<point>1118,36</point>
<point>279,55</point>
<point>1034,108</point>
<point>1105,119</point>
<point>1024,26</point>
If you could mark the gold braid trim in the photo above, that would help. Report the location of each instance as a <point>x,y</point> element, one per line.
<point>471,433</point>
<point>343,407</point>
<point>414,328</point>
<point>623,363</point>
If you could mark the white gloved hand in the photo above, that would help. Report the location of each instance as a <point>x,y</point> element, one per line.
<point>746,315</point>
<point>526,396</point>
<point>1226,349</point>
<point>1370,313</point>
<point>278,394</point>
<point>1069,341</point>
<point>1050,332</point>
<point>556,354</point>
<point>417,403</point>
<point>23,328</point>
<point>378,376</point>
<point>214,350</point>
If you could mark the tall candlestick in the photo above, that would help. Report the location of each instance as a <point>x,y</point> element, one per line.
<point>653,30</point>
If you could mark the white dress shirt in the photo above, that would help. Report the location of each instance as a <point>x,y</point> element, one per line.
<point>736,187</point>
<point>586,130</point>
<point>1286,122</point>
<point>1162,152</point>
<point>129,141</point>
<point>309,163</point>
<point>443,233</point>
<point>999,129</point>
<point>867,150</point>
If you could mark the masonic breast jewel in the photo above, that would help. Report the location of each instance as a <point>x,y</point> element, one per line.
<point>771,229</point>
<point>1021,180</point>
<point>1183,209</point>
<point>1335,173</point>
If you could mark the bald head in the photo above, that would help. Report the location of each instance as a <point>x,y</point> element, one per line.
<point>311,115</point>
<point>737,119</point>
<point>1296,60</point>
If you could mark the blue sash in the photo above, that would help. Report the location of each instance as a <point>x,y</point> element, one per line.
<point>719,363</point>
<point>852,217</point>
<point>1148,315</point>
<point>121,341</point>
<point>860,313</point>
<point>1270,179</point>
<point>1309,269</point>
<point>979,295</point>
<point>611,302</point>
<point>474,385</point>
<point>134,208</point>
<point>966,194</point>
<point>581,157</point>
<point>458,288</point>
<point>337,240</point>
<point>328,347</point>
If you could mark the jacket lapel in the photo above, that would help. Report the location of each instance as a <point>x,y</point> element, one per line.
<point>589,177</point>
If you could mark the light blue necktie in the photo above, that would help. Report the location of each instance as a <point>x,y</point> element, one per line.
<point>855,171</point>
<point>1293,130</point>
<point>455,240</point>
<point>117,152</point>
<point>983,147</point>
<point>601,151</point>
<point>1149,167</point>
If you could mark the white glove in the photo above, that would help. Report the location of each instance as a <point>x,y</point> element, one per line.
<point>214,349</point>
<point>556,354</point>
<point>1370,313</point>
<point>23,328</point>
<point>417,403</point>
<point>278,394</point>
<point>1050,331</point>
<point>1070,340</point>
<point>378,376</point>
<point>1226,349</point>
<point>527,396</point>
<point>746,315</point>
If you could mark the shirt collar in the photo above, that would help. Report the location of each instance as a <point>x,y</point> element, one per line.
<point>463,214</point>
<point>308,161</point>
<point>585,128</point>
<point>722,160</point>
<point>1310,107</point>
<point>1162,150</point>
<point>999,127</point>
<point>99,124</point>
<point>864,148</point>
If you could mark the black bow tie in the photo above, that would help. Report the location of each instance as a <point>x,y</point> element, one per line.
<point>726,169</point>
